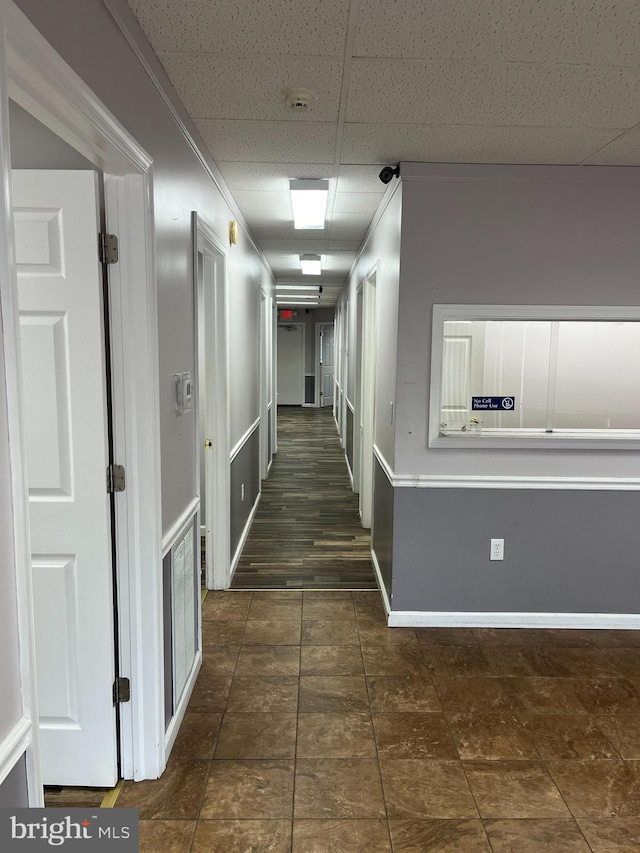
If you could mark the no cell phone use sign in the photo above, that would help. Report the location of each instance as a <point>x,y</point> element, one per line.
<point>493,404</point>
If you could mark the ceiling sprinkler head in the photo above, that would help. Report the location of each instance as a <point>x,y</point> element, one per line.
<point>299,99</point>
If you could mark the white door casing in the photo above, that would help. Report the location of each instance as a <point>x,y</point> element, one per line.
<point>63,382</point>
<point>327,364</point>
<point>213,401</point>
<point>367,398</point>
<point>43,84</point>
<point>265,329</point>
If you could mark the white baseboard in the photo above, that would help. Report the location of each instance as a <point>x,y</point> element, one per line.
<point>176,721</point>
<point>243,538</point>
<point>381,586</point>
<point>447,619</point>
<point>346,459</point>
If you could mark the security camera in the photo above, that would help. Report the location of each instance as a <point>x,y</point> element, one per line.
<point>388,172</point>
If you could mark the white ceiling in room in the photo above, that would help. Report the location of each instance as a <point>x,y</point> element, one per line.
<point>476,81</point>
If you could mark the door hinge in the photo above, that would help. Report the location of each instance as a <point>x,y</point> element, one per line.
<point>115,479</point>
<point>208,442</point>
<point>121,690</point>
<point>108,248</point>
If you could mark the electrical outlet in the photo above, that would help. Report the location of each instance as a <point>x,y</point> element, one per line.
<point>242,492</point>
<point>497,549</point>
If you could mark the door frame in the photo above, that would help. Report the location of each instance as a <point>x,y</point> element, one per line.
<point>367,395</point>
<point>38,79</point>
<point>217,502</point>
<point>318,365</point>
<point>264,344</point>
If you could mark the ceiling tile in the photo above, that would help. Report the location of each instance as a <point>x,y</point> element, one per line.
<point>263,201</point>
<point>272,177</point>
<point>251,87</point>
<point>348,226</point>
<point>415,92</point>
<point>352,220</point>
<point>363,203</point>
<point>269,141</point>
<point>273,239</point>
<point>275,27</point>
<point>360,179</point>
<point>344,245</point>
<point>568,31</point>
<point>279,220</point>
<point>340,262</point>
<point>283,261</point>
<point>390,144</point>
<point>623,151</point>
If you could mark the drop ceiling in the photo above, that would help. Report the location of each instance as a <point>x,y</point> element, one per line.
<point>478,81</point>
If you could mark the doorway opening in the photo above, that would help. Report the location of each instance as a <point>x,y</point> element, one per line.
<point>212,404</point>
<point>47,334</point>
<point>367,396</point>
<point>325,364</point>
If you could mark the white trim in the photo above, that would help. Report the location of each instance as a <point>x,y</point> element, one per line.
<point>264,359</point>
<point>367,398</point>
<point>350,472</point>
<point>245,534</point>
<point>176,721</point>
<point>445,619</point>
<point>454,481</point>
<point>521,439</point>
<point>245,438</point>
<point>13,746</point>
<point>43,83</point>
<point>435,481</point>
<point>504,173</point>
<point>136,426</point>
<point>10,349</point>
<point>217,479</point>
<point>384,465</point>
<point>349,404</point>
<point>381,587</point>
<point>179,526</point>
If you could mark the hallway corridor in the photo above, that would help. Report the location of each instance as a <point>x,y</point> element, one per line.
<point>307,532</point>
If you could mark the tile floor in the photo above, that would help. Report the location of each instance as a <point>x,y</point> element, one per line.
<point>315,728</point>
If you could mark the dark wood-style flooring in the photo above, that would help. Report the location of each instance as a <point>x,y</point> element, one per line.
<point>307,532</point>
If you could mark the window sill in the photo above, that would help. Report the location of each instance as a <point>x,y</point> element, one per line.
<point>525,438</point>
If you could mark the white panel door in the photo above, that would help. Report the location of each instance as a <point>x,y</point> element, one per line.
<point>462,371</point>
<point>327,367</point>
<point>63,382</point>
<point>290,365</point>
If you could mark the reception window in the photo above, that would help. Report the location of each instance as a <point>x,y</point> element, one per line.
<point>547,375</point>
